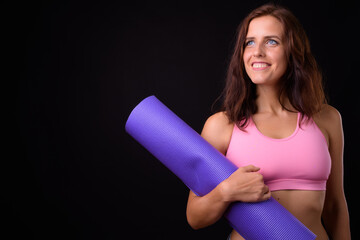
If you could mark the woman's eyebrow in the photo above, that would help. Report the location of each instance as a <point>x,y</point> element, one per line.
<point>273,36</point>
<point>266,37</point>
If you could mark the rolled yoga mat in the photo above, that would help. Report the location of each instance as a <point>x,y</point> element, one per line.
<point>201,167</point>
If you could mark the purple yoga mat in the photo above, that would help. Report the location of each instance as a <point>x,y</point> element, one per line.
<point>201,167</point>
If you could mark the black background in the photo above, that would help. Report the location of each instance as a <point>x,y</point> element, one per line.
<point>75,173</point>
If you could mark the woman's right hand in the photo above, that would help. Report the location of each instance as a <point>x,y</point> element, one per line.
<point>246,185</point>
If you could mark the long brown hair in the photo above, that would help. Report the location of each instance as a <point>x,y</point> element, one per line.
<point>301,83</point>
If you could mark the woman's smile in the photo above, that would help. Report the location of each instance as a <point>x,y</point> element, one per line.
<point>260,66</point>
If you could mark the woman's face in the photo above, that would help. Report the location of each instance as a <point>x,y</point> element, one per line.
<point>264,53</point>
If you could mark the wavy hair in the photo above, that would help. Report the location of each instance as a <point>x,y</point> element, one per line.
<point>301,83</point>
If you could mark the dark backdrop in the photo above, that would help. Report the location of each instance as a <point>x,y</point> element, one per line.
<point>75,173</point>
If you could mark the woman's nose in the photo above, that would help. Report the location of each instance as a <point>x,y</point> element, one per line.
<point>259,51</point>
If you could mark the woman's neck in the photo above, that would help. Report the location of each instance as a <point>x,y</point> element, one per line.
<point>268,100</point>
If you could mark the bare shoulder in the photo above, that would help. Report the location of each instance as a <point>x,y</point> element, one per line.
<point>218,121</point>
<point>328,116</point>
<point>330,122</point>
<point>217,131</point>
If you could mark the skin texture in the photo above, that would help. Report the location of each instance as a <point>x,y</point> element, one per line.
<point>264,48</point>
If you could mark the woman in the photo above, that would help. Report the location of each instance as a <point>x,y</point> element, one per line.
<point>276,127</point>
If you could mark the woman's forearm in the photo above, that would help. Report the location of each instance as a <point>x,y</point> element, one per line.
<point>245,185</point>
<point>206,210</point>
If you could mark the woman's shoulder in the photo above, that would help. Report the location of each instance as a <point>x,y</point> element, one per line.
<point>328,115</point>
<point>329,120</point>
<point>217,120</point>
<point>218,130</point>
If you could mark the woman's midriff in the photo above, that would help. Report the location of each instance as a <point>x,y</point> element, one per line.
<point>306,206</point>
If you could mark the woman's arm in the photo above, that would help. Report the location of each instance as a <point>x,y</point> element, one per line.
<point>245,184</point>
<point>335,214</point>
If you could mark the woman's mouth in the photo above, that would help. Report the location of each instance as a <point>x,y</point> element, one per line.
<point>257,66</point>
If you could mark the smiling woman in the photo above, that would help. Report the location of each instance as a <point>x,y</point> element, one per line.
<point>277,128</point>
<point>264,54</point>
<point>283,38</point>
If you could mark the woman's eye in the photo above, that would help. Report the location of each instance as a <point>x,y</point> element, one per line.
<point>249,43</point>
<point>272,42</point>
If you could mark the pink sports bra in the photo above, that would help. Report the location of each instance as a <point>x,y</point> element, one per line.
<point>300,161</point>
